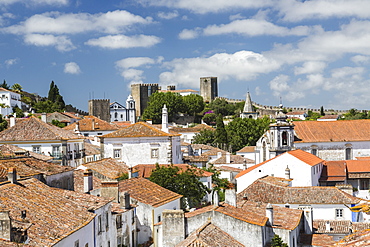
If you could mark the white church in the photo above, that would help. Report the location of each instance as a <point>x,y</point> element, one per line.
<point>120,113</point>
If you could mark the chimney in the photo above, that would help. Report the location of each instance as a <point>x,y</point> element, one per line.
<point>270,214</point>
<point>230,197</point>
<point>244,165</point>
<point>327,226</point>
<point>149,121</point>
<point>12,121</point>
<point>77,128</point>
<point>219,155</point>
<point>88,181</point>
<point>43,117</point>
<point>23,214</point>
<point>93,124</point>
<point>164,119</point>
<point>124,200</point>
<point>228,158</point>
<point>12,175</point>
<point>216,200</point>
<point>287,172</point>
<point>5,232</point>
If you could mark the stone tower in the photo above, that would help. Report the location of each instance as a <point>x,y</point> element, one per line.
<point>248,111</point>
<point>100,109</point>
<point>208,88</point>
<point>141,94</point>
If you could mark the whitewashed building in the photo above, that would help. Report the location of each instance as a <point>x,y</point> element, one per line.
<point>10,99</point>
<point>300,167</point>
<point>91,126</point>
<point>34,135</point>
<point>121,113</point>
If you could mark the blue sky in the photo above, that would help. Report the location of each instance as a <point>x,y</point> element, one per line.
<point>311,53</point>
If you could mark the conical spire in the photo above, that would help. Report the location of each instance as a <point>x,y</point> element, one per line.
<point>248,107</point>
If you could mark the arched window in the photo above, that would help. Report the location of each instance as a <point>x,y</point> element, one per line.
<point>284,137</point>
<point>115,115</point>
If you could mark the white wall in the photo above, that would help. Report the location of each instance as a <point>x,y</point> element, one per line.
<point>84,235</point>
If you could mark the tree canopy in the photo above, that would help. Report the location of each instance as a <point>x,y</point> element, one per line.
<point>4,85</point>
<point>3,123</point>
<point>185,183</point>
<point>276,241</point>
<point>194,104</point>
<point>55,97</point>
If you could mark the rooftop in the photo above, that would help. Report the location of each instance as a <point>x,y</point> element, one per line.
<point>332,131</point>
<point>267,192</point>
<point>139,129</point>
<point>108,167</point>
<point>196,128</point>
<point>147,192</point>
<point>33,129</point>
<point>144,171</point>
<point>247,149</point>
<point>92,123</point>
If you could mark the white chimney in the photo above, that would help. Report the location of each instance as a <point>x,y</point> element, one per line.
<point>327,226</point>
<point>270,214</point>
<point>244,165</point>
<point>228,158</point>
<point>219,155</point>
<point>12,175</point>
<point>88,181</point>
<point>287,172</point>
<point>230,197</point>
<point>165,119</point>
<point>43,117</point>
<point>149,121</point>
<point>216,200</point>
<point>12,121</point>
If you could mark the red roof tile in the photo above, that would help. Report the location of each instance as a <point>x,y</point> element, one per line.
<point>139,129</point>
<point>333,131</point>
<point>91,123</point>
<point>144,171</point>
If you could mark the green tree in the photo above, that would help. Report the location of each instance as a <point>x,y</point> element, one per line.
<point>185,183</point>
<point>276,241</point>
<point>246,131</point>
<point>221,106</point>
<point>193,104</point>
<point>17,87</point>
<point>220,184</point>
<point>58,123</point>
<point>55,97</point>
<point>173,102</point>
<point>18,111</point>
<point>210,118</point>
<point>322,112</point>
<point>220,133</point>
<point>3,123</point>
<point>4,85</point>
<point>205,136</point>
<point>313,116</point>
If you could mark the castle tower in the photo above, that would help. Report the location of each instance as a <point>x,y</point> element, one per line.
<point>141,94</point>
<point>130,109</point>
<point>100,109</point>
<point>248,111</point>
<point>208,88</point>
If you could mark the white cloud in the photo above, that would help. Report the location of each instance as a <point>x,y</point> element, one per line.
<point>206,6</point>
<point>35,2</point>
<point>242,66</point>
<point>72,68</point>
<point>310,67</point>
<point>61,43</point>
<point>168,15</point>
<point>293,10</point>
<point>123,41</point>
<point>189,34</point>
<point>236,17</point>
<point>57,23</point>
<point>11,62</point>
<point>128,67</point>
<point>359,59</point>
<point>134,62</point>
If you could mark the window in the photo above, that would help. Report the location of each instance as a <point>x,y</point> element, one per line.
<point>119,221</point>
<point>119,244</point>
<point>159,218</point>
<point>339,213</point>
<point>364,184</point>
<point>77,243</point>
<point>36,149</point>
<point>285,138</point>
<point>99,224</point>
<point>314,151</point>
<point>117,153</point>
<point>106,220</point>
<point>56,151</point>
<point>154,153</point>
<point>348,153</point>
<point>99,134</point>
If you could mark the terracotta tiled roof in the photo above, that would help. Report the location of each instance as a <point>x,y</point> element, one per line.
<point>295,113</point>
<point>361,238</point>
<point>334,171</point>
<point>202,146</point>
<point>139,129</point>
<point>228,168</point>
<point>53,213</point>
<point>243,214</point>
<point>209,235</point>
<point>329,117</point>
<point>192,158</point>
<point>27,167</point>
<point>147,192</point>
<point>78,181</point>
<point>91,123</point>
<point>333,131</point>
<point>91,149</point>
<point>33,129</point>
<point>8,150</point>
<point>196,128</point>
<point>363,158</point>
<point>247,149</point>
<point>336,226</point>
<point>285,218</point>
<point>263,191</point>
<point>109,167</point>
<point>307,158</point>
<point>358,166</point>
<point>144,171</point>
<point>322,240</point>
<point>121,124</point>
<point>234,159</point>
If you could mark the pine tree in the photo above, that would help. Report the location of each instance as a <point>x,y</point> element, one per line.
<point>276,241</point>
<point>4,85</point>
<point>220,133</point>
